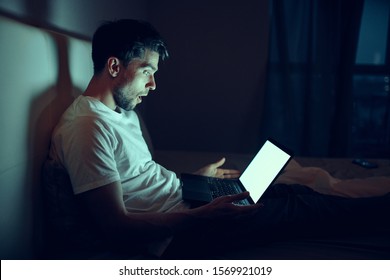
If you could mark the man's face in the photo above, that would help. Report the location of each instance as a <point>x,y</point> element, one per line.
<point>136,80</point>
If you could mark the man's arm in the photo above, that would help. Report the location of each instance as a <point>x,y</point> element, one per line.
<point>106,207</point>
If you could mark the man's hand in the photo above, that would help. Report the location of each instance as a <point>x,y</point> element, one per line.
<point>213,170</point>
<point>224,208</point>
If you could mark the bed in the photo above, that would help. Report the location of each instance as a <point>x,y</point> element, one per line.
<point>337,176</point>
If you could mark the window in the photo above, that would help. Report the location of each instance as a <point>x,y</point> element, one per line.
<point>371,94</point>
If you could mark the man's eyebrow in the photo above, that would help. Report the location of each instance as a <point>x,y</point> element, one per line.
<point>149,65</point>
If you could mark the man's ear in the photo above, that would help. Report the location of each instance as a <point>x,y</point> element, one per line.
<point>113,65</point>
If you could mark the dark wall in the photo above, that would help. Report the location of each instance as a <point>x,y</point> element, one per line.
<point>73,16</point>
<point>209,94</point>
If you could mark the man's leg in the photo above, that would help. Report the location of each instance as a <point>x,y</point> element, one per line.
<point>289,212</point>
<point>299,211</point>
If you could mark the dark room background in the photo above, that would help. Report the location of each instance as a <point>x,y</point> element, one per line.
<point>313,74</point>
<point>328,77</point>
<point>210,92</point>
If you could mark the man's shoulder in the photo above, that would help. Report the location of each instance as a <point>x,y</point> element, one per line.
<point>82,113</point>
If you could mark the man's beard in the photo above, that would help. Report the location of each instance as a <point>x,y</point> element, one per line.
<point>123,102</point>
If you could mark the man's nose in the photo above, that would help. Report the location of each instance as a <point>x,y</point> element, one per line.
<point>151,85</point>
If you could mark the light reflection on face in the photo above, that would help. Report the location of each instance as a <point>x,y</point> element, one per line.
<point>136,80</point>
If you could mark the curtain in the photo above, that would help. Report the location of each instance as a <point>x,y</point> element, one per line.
<point>308,98</point>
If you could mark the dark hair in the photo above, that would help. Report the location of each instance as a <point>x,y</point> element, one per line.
<point>125,39</point>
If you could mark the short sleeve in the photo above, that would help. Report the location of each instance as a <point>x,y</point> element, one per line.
<point>89,155</point>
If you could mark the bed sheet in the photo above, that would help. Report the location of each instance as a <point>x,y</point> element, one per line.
<point>338,176</point>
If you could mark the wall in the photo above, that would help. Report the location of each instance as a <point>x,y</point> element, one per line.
<point>209,94</point>
<point>44,72</point>
<point>75,16</point>
<point>38,84</point>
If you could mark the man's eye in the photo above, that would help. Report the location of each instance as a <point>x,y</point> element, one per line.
<point>146,72</point>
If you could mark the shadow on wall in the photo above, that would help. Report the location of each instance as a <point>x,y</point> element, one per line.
<point>44,116</point>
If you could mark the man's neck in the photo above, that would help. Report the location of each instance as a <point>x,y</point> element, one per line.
<point>100,90</point>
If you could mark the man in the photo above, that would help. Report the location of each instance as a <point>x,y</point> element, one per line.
<point>121,195</point>
<point>100,144</point>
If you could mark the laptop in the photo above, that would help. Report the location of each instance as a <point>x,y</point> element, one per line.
<point>257,177</point>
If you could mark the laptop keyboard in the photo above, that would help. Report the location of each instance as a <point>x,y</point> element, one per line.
<point>225,187</point>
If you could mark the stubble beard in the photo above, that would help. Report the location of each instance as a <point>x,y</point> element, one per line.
<point>122,101</point>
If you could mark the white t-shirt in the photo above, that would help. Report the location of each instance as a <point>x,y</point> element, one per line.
<point>98,146</point>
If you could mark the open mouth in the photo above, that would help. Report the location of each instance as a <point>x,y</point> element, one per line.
<point>140,97</point>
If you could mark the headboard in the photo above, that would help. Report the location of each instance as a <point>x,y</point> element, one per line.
<point>42,71</point>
